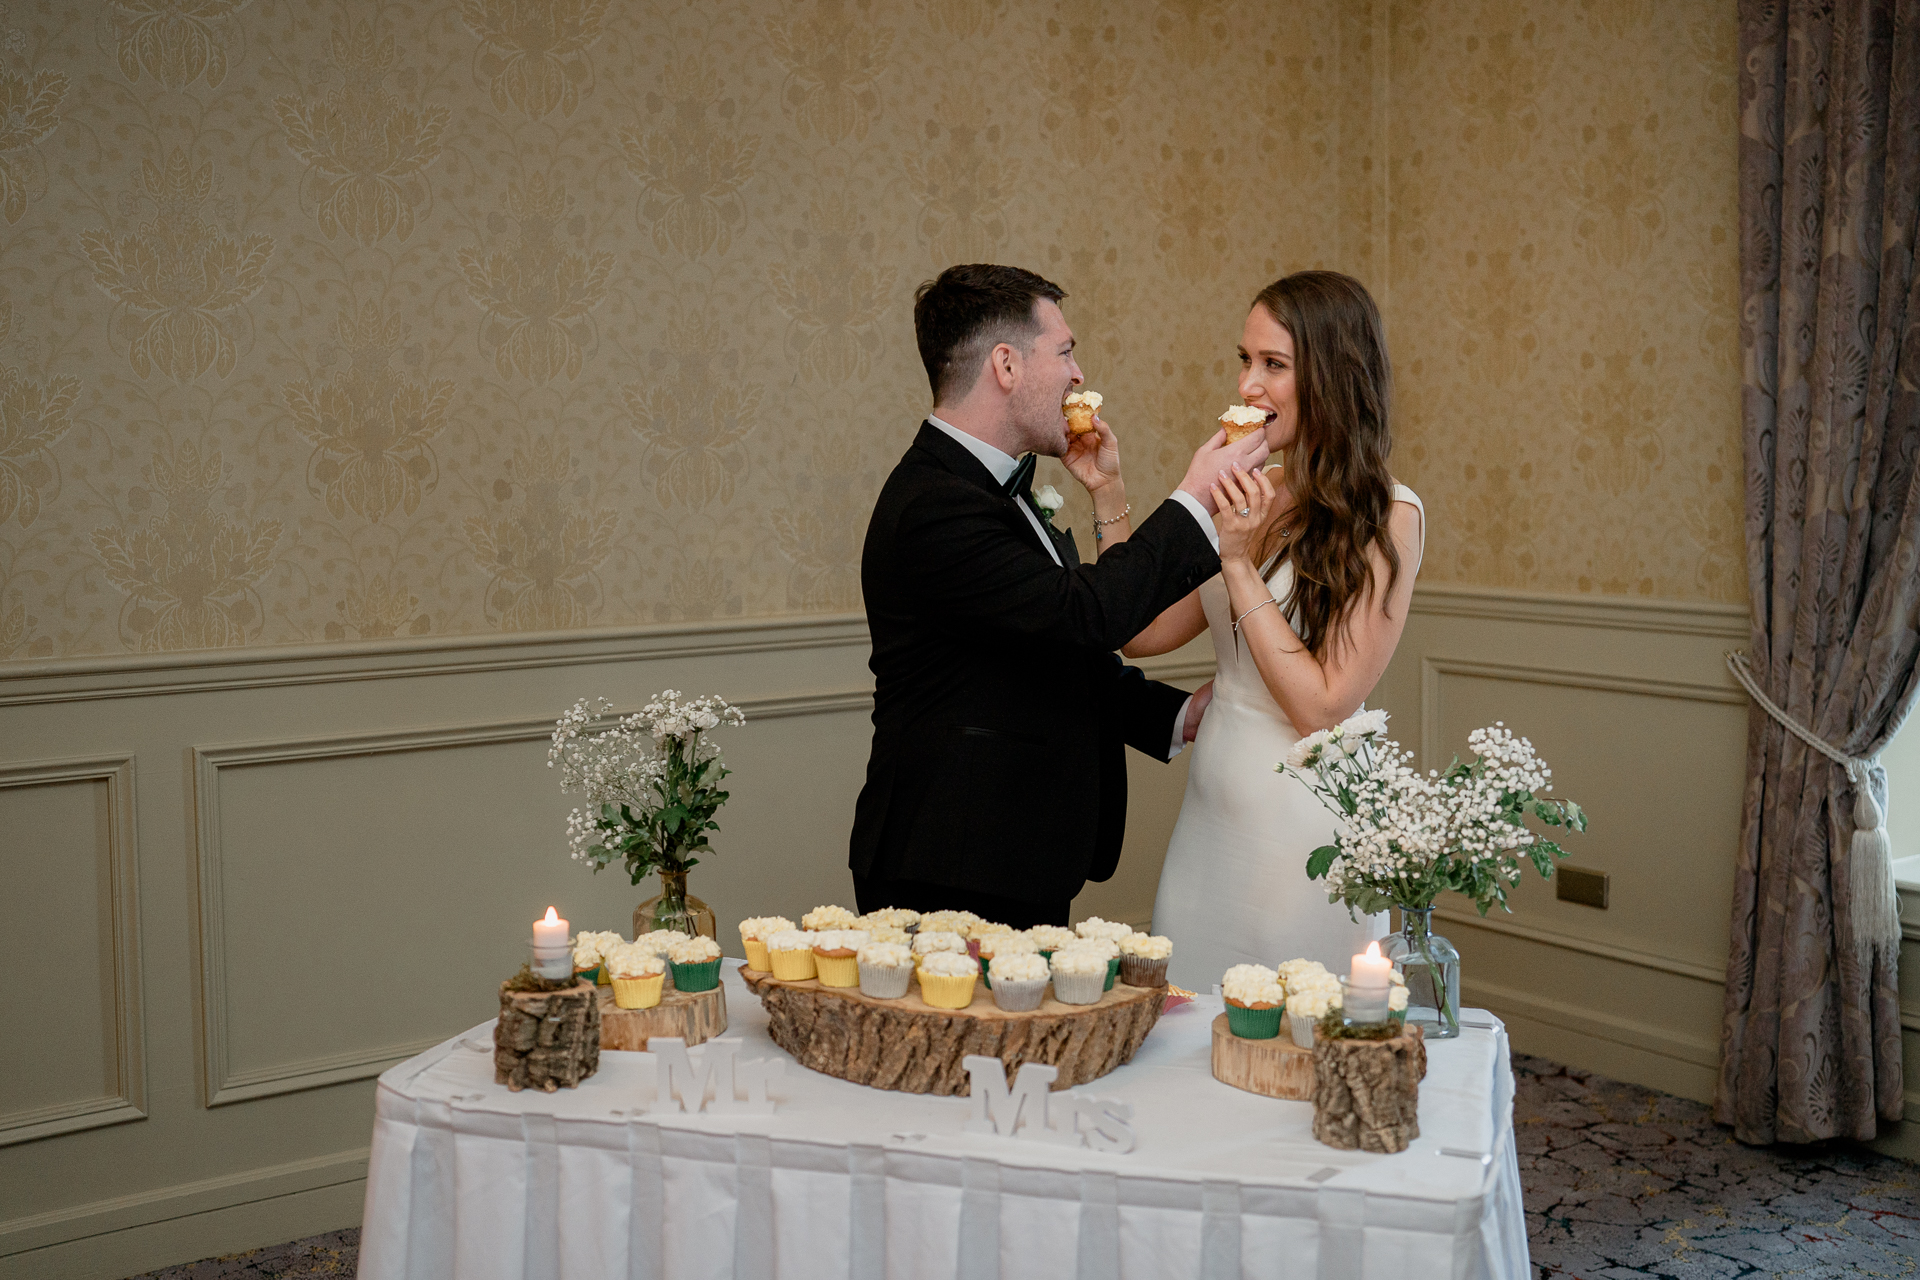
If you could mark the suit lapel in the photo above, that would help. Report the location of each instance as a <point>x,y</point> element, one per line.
<point>951,455</point>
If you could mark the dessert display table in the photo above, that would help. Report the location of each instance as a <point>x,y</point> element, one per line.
<point>469,1180</point>
<point>909,1045</point>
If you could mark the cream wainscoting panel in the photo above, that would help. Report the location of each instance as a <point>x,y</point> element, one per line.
<point>71,911</point>
<point>371,788</point>
<point>1628,701</point>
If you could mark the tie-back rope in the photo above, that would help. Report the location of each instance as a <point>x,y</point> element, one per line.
<point>1876,902</point>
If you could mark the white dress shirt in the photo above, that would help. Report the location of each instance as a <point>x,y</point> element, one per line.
<point>1001,465</point>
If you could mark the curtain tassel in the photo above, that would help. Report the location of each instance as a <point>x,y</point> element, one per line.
<point>1876,902</point>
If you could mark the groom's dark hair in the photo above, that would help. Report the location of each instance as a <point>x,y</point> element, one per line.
<point>967,312</point>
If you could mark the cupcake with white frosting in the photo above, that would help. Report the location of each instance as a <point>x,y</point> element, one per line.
<point>695,963</point>
<point>947,978</point>
<point>1003,944</point>
<point>937,941</point>
<point>835,956</point>
<point>886,968</point>
<point>636,975</point>
<point>754,933</point>
<point>1107,948</point>
<point>822,918</point>
<point>1079,976</point>
<point>1052,937</point>
<point>1018,980</point>
<point>1143,959</point>
<point>790,952</point>
<point>1255,1001</point>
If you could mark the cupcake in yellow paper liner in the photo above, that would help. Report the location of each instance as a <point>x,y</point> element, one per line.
<point>947,978</point>
<point>754,933</point>
<point>1080,408</point>
<point>637,976</point>
<point>790,952</point>
<point>836,956</point>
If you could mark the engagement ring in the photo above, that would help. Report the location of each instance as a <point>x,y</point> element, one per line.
<point>1243,512</point>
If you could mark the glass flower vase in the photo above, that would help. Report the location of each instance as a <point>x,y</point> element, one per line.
<point>1431,966</point>
<point>675,908</point>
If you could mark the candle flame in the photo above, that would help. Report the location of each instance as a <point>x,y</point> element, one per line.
<point>552,918</point>
<point>1373,948</point>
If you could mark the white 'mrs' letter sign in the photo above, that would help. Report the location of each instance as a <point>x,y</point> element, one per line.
<point>1031,1110</point>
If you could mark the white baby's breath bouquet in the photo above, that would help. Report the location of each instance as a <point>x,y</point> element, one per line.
<point>652,780</point>
<point>1406,836</point>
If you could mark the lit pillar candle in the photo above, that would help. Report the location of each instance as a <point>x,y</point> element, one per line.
<point>1368,983</point>
<point>552,953</point>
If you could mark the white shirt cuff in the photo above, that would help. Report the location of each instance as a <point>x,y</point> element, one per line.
<point>1192,504</point>
<point>1179,729</point>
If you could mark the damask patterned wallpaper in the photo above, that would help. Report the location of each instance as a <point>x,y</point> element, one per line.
<point>346,320</point>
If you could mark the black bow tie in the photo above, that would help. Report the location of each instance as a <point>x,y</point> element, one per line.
<point>1020,483</point>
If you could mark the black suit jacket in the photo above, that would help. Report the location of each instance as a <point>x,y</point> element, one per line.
<point>1000,708</point>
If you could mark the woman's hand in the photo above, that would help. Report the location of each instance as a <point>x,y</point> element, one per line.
<point>1242,500</point>
<point>1094,458</point>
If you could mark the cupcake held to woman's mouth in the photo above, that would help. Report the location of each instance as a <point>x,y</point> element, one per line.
<point>1242,420</point>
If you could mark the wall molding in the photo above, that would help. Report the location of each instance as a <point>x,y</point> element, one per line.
<point>1586,946</point>
<point>220,1084</point>
<point>128,1058</point>
<point>63,1226</point>
<point>204,670</point>
<point>1508,1002</point>
<point>1610,613</point>
<point>1433,669</point>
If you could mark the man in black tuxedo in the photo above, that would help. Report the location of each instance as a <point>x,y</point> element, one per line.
<point>997,782</point>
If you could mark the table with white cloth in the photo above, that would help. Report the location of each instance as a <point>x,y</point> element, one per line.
<point>469,1181</point>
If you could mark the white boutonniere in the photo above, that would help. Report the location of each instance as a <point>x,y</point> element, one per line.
<point>1048,499</point>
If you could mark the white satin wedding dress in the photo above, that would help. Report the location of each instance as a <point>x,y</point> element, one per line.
<point>1234,888</point>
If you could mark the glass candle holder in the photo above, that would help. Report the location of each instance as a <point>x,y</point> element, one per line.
<point>1364,1006</point>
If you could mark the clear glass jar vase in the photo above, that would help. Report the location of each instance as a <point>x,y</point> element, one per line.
<point>1431,966</point>
<point>675,908</point>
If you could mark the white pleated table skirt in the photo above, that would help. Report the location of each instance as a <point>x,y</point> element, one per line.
<point>469,1181</point>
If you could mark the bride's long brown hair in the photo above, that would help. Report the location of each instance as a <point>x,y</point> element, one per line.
<point>1337,467</point>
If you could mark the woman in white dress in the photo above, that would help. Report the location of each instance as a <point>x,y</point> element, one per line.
<point>1318,558</point>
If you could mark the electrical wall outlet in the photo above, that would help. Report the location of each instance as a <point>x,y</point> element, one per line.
<point>1582,885</point>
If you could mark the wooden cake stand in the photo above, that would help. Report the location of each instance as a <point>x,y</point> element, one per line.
<point>910,1046</point>
<point>695,1017</point>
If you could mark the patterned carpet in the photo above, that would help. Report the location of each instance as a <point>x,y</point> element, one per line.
<point>1623,1182</point>
<point>1620,1182</point>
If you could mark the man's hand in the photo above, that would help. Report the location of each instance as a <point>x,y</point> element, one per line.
<point>1196,708</point>
<point>1094,458</point>
<point>1217,457</point>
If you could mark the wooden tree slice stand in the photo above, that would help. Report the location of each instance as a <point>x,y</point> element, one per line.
<point>1366,1093</point>
<point>695,1017</point>
<point>1276,1068</point>
<point>910,1046</point>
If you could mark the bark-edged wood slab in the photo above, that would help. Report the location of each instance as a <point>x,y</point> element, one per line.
<point>1366,1093</point>
<point>909,1046</point>
<point>546,1038</point>
<point>696,1017</point>
<point>1276,1068</point>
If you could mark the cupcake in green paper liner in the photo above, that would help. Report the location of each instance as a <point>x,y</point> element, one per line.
<point>1397,1001</point>
<point>1255,1001</point>
<point>695,964</point>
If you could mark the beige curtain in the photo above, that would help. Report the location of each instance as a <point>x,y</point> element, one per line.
<point>1829,182</point>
